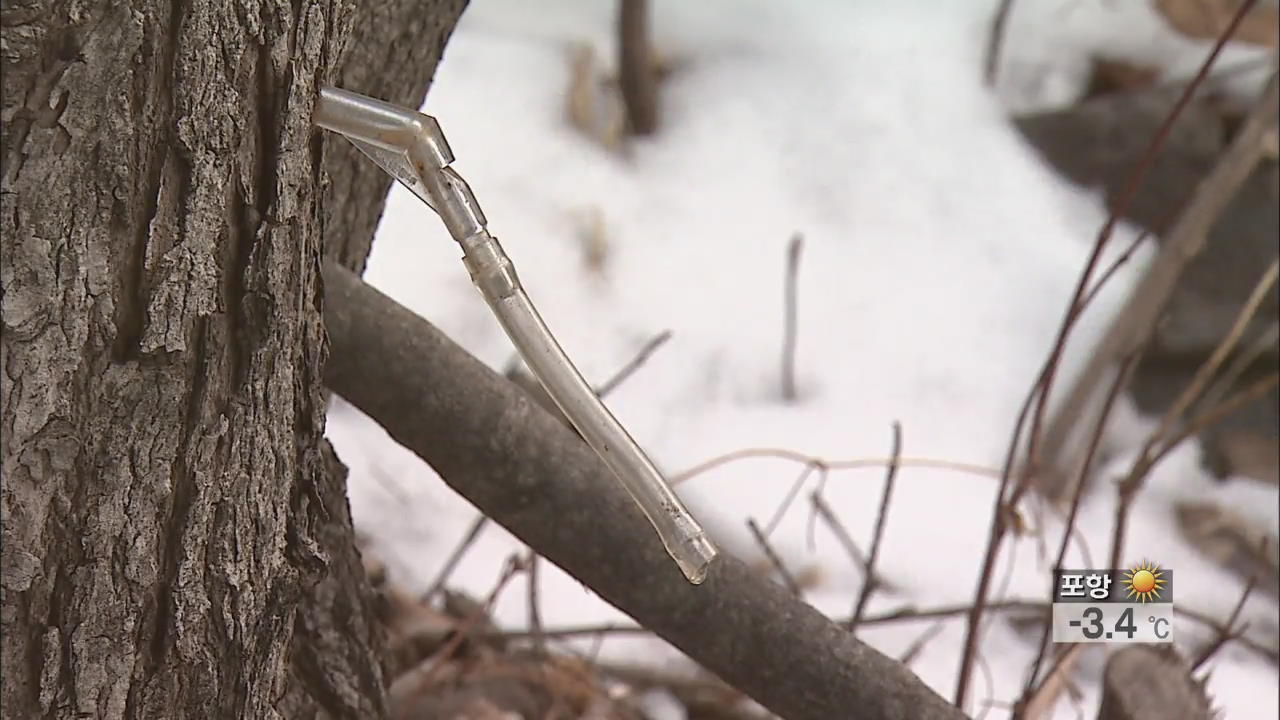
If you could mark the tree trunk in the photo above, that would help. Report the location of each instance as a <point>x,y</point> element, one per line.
<point>176,540</point>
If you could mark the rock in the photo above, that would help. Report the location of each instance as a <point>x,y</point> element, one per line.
<point>1101,141</point>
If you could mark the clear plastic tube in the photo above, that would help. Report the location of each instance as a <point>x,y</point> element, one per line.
<point>411,148</point>
<point>495,276</point>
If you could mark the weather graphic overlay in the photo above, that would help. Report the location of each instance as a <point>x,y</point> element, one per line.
<point>1127,605</point>
<point>1144,582</point>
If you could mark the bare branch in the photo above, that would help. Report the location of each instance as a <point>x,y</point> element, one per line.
<point>905,614</point>
<point>455,557</point>
<point>637,77</point>
<point>869,580</point>
<point>1052,443</point>
<point>1039,700</point>
<point>636,362</point>
<point>1228,631</point>
<point>846,540</point>
<point>521,467</point>
<point>1200,381</point>
<point>1095,442</point>
<point>535,612</point>
<point>790,498</point>
<point>789,328</point>
<point>995,40</point>
<point>913,650</point>
<point>1210,416</point>
<point>1158,445</point>
<point>1137,320</point>
<point>788,580</point>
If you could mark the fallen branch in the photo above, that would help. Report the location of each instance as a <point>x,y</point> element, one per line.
<point>529,473</point>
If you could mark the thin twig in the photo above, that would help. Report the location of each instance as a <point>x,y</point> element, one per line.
<point>869,580</point>
<point>1095,442</point>
<point>1183,241</point>
<point>455,557</point>
<point>1128,488</point>
<point>640,359</point>
<point>1242,362</point>
<point>1040,700</point>
<point>637,77</point>
<point>1270,653</point>
<point>1225,347</point>
<point>535,611</point>
<point>913,650</point>
<point>811,527</point>
<point>856,464</point>
<point>1158,444</point>
<point>433,664</point>
<point>787,578</point>
<point>824,511</point>
<point>789,328</point>
<point>898,615</point>
<point>902,614</point>
<point>1120,261</point>
<point>1040,391</point>
<point>789,498</point>
<point>1215,414</point>
<point>995,39</point>
<point>1228,631</point>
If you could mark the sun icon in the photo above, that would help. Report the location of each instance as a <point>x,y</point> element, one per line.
<point>1145,581</point>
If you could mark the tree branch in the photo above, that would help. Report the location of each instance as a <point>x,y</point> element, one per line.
<point>529,473</point>
<point>637,77</point>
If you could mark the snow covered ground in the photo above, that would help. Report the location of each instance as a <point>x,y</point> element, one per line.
<point>939,254</point>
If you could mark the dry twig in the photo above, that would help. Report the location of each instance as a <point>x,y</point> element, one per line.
<point>1010,493</point>
<point>626,371</point>
<point>787,578</point>
<point>455,557</point>
<point>1038,702</point>
<point>831,465</point>
<point>637,77</point>
<point>995,40</point>
<point>1077,495</point>
<point>535,611</point>
<point>1135,323</point>
<point>1159,444</point>
<point>789,328</point>
<point>869,579</point>
<point>824,511</point>
<point>1228,631</point>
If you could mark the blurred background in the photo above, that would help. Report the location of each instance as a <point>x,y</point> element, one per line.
<point>830,217</point>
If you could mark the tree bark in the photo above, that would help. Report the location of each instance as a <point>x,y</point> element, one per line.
<point>176,542</point>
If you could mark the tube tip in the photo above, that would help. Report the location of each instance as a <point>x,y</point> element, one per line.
<point>694,555</point>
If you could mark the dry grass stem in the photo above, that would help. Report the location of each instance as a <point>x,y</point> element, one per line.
<point>869,579</point>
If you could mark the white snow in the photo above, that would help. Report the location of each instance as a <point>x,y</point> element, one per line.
<point>939,254</point>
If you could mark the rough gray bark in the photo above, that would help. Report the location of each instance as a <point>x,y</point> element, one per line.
<point>175,543</point>
<point>530,473</point>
